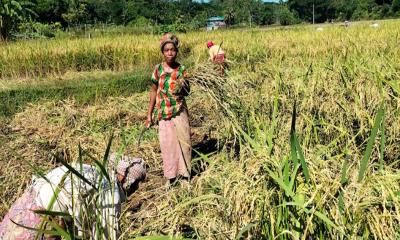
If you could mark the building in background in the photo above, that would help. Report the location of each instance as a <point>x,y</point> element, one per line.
<point>214,23</point>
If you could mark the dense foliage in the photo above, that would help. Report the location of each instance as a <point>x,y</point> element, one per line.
<point>183,15</point>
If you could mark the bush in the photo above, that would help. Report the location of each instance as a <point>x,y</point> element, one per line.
<point>31,30</point>
<point>142,25</point>
<point>198,22</point>
<point>176,27</point>
<point>268,18</point>
<point>286,17</point>
<point>141,22</point>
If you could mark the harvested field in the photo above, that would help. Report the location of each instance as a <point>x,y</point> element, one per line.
<point>300,140</point>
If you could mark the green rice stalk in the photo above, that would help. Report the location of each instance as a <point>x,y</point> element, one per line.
<point>295,148</point>
<point>75,172</point>
<point>272,130</point>
<point>302,159</point>
<point>370,144</point>
<point>382,145</point>
<point>244,230</point>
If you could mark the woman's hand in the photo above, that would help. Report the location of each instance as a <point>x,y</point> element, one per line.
<point>149,121</point>
<point>182,87</point>
<point>178,87</point>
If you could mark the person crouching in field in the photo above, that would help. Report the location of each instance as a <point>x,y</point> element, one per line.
<point>217,56</point>
<point>74,197</point>
<point>167,102</point>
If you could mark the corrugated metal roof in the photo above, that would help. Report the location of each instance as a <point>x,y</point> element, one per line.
<point>218,18</point>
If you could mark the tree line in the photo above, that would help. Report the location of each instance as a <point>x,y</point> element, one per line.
<point>18,16</point>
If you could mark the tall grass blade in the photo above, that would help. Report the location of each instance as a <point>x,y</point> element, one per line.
<point>293,177</point>
<point>343,181</point>
<point>302,159</point>
<point>295,148</point>
<point>107,152</point>
<point>71,230</point>
<point>244,230</point>
<point>342,206</point>
<point>293,124</point>
<point>324,218</point>
<point>343,175</point>
<point>102,167</point>
<point>281,183</point>
<point>80,157</point>
<point>254,144</point>
<point>317,213</point>
<point>286,177</point>
<point>75,172</point>
<point>383,143</point>
<point>60,231</point>
<point>38,231</point>
<point>370,144</point>
<point>53,213</point>
<point>274,121</point>
<point>53,200</point>
<point>293,151</point>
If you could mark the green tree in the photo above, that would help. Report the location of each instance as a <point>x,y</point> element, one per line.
<point>133,10</point>
<point>50,11</point>
<point>269,14</point>
<point>304,9</point>
<point>76,13</point>
<point>285,16</point>
<point>11,13</point>
<point>396,6</point>
<point>363,10</point>
<point>343,9</point>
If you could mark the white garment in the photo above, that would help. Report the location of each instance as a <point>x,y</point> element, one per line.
<point>80,199</point>
<point>214,51</point>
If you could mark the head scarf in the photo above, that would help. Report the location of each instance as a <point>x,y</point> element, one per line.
<point>133,169</point>
<point>210,44</point>
<point>169,38</point>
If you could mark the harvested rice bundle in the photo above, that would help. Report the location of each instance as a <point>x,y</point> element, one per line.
<point>221,88</point>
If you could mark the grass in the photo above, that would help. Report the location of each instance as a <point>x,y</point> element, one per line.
<point>336,176</point>
<point>13,100</point>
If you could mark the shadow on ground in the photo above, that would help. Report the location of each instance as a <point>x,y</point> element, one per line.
<point>201,149</point>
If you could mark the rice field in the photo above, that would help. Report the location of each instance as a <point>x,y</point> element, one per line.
<point>300,140</point>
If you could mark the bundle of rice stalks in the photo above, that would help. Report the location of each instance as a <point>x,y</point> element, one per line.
<point>225,93</point>
<point>220,87</point>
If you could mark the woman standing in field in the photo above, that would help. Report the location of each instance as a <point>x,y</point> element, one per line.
<point>167,102</point>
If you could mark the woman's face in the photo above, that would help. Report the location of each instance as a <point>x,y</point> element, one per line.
<point>170,53</point>
<point>129,190</point>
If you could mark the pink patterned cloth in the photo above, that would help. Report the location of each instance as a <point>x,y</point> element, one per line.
<point>22,213</point>
<point>220,58</point>
<point>132,168</point>
<point>176,147</point>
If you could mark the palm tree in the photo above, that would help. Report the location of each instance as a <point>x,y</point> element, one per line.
<point>230,16</point>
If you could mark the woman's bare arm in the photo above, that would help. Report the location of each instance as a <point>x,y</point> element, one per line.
<point>153,93</point>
